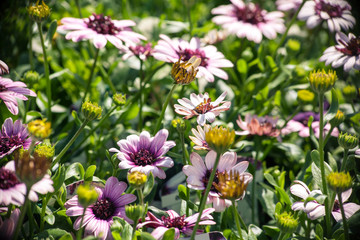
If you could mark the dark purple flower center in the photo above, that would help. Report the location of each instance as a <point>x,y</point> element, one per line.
<point>332,10</point>
<point>103,209</point>
<point>2,88</point>
<point>336,206</point>
<point>141,50</point>
<point>352,48</point>
<point>143,157</point>
<point>8,179</point>
<point>204,107</point>
<point>251,13</point>
<point>205,180</point>
<point>7,143</point>
<point>188,53</point>
<point>178,222</point>
<point>102,24</point>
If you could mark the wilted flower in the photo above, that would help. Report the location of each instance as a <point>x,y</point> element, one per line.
<point>232,185</point>
<point>185,72</point>
<point>348,141</point>
<point>39,128</point>
<point>260,126</point>
<point>219,139</point>
<point>181,224</point>
<point>199,137</point>
<point>39,12</point>
<point>4,69</point>
<point>91,110</point>
<point>339,181</point>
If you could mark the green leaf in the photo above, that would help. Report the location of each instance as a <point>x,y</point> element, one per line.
<point>67,236</point>
<point>157,211</point>
<point>146,236</point>
<point>55,233</point>
<point>271,63</point>
<point>61,213</point>
<point>50,219</point>
<point>334,106</point>
<point>278,208</point>
<point>283,196</point>
<point>270,179</point>
<point>332,162</point>
<point>319,231</point>
<point>76,118</point>
<point>58,178</point>
<point>132,112</point>
<point>182,192</point>
<point>277,99</point>
<point>317,174</point>
<point>149,185</point>
<point>50,33</point>
<point>75,170</point>
<point>257,232</point>
<point>169,234</point>
<point>89,173</point>
<point>242,68</point>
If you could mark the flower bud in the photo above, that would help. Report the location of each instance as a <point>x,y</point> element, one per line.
<point>348,141</point>
<point>219,139</point>
<point>40,129</point>
<point>339,181</point>
<point>45,151</point>
<point>31,77</point>
<point>338,119</point>
<point>322,81</point>
<point>185,72</point>
<point>286,222</point>
<point>134,212</point>
<point>39,12</point>
<point>91,110</point>
<point>179,124</point>
<point>305,96</point>
<point>137,179</point>
<point>293,45</point>
<point>87,195</point>
<point>119,99</point>
<point>350,92</point>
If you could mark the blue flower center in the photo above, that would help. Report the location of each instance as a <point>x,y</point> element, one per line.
<point>8,179</point>
<point>178,222</point>
<point>103,209</point>
<point>102,24</point>
<point>143,157</point>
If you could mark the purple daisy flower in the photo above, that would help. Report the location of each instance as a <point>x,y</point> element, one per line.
<point>4,69</point>
<point>99,216</point>
<point>249,20</point>
<point>335,12</point>
<point>181,224</point>
<point>10,91</point>
<point>202,107</point>
<point>100,29</point>
<point>13,136</point>
<point>199,172</point>
<point>144,153</point>
<point>170,50</point>
<point>346,53</point>
<point>138,50</point>
<point>7,226</point>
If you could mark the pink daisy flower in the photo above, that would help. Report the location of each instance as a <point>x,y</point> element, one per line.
<point>144,153</point>
<point>202,107</point>
<point>287,5</point>
<point>170,50</point>
<point>7,226</point>
<point>260,126</point>
<point>10,91</point>
<point>13,136</point>
<point>199,172</point>
<point>4,69</point>
<point>143,52</point>
<point>181,224</point>
<point>249,20</point>
<point>199,137</point>
<point>346,53</point>
<point>335,12</point>
<point>100,29</point>
<point>99,216</point>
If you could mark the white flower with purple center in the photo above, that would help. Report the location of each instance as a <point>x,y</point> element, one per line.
<point>143,52</point>
<point>145,154</point>
<point>100,29</point>
<point>336,13</point>
<point>99,216</point>
<point>346,53</point>
<point>170,50</point>
<point>249,20</point>
<point>202,107</point>
<point>4,69</point>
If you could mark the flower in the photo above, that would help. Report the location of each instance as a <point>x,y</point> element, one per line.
<point>181,224</point>
<point>144,153</point>
<point>10,91</point>
<point>346,52</point>
<point>249,20</point>
<point>335,12</point>
<point>287,5</point>
<point>219,139</point>
<point>202,107</point>
<point>322,81</point>
<point>339,181</point>
<point>39,128</point>
<point>13,136</point>
<point>199,137</point>
<point>7,227</point>
<point>286,222</point>
<point>137,179</point>
<point>199,172</point>
<point>87,195</point>
<point>185,72</point>
<point>39,12</point>
<point>348,141</point>
<point>143,52</point>
<point>231,185</point>
<point>91,110</point>
<point>100,29</point>
<point>260,126</point>
<point>99,216</point>
<point>349,208</point>
<point>170,50</point>
<point>4,69</point>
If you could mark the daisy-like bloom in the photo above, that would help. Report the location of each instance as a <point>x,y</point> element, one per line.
<point>143,52</point>
<point>10,91</point>
<point>260,126</point>
<point>7,226</point>
<point>4,69</point>
<point>346,53</point>
<point>100,29</point>
<point>199,137</point>
<point>199,172</point>
<point>12,190</point>
<point>144,153</point>
<point>336,13</point>
<point>249,20</point>
<point>99,216</point>
<point>171,50</point>
<point>202,107</point>
<point>13,136</point>
<point>315,210</point>
<point>181,224</point>
<point>288,5</point>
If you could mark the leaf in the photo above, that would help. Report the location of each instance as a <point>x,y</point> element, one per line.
<point>169,234</point>
<point>76,118</point>
<point>67,236</point>
<point>149,185</point>
<point>146,236</point>
<point>242,68</point>
<point>319,231</point>
<point>258,232</point>
<point>332,162</point>
<point>334,106</point>
<point>89,173</point>
<point>58,178</point>
<point>271,63</point>
<point>132,112</point>
<point>182,192</point>
<point>270,179</point>
<point>75,170</point>
<point>50,33</point>
<point>317,174</point>
<point>50,219</point>
<point>283,196</point>
<point>55,233</point>
<point>157,211</point>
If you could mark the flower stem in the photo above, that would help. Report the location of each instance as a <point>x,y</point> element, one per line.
<point>91,75</point>
<point>42,214</point>
<point>281,235</point>
<point>185,162</point>
<point>79,233</point>
<point>47,73</point>
<point>236,213</point>
<point>163,109</point>
<point>78,8</point>
<point>343,165</point>
<point>141,73</point>
<point>204,197</point>
<point>346,229</point>
<point>22,214</point>
<point>253,190</point>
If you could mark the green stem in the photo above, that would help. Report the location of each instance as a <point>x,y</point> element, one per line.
<point>79,233</point>
<point>158,124</point>
<point>204,197</point>
<point>185,162</point>
<point>107,80</point>
<point>141,95</point>
<point>281,235</point>
<point>242,222</point>
<point>47,72</point>
<point>343,165</point>
<point>78,8</point>
<point>142,203</point>
<point>253,190</point>
<point>134,229</point>
<point>91,75</point>
<point>237,219</point>
<point>31,221</point>
<point>22,214</point>
<point>346,229</point>
<point>42,214</point>
<point>31,61</point>
<point>188,12</point>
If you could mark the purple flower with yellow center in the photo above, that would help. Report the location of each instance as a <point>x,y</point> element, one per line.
<point>4,69</point>
<point>346,53</point>
<point>171,50</point>
<point>100,29</point>
<point>10,91</point>
<point>336,13</point>
<point>145,154</point>
<point>202,107</point>
<point>99,216</point>
<point>181,224</point>
<point>13,136</point>
<point>249,20</point>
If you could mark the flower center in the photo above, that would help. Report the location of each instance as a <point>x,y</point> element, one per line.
<point>251,13</point>
<point>205,180</point>
<point>103,209</point>
<point>102,24</point>
<point>352,48</point>
<point>143,157</point>
<point>178,222</point>
<point>8,179</point>
<point>331,10</point>
<point>6,143</point>
<point>336,205</point>
<point>204,107</point>
<point>188,53</point>
<point>2,88</point>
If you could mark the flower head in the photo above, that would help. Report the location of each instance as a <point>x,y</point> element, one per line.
<point>286,222</point>
<point>322,81</point>
<point>260,126</point>
<point>119,99</point>
<point>181,224</point>
<point>91,110</point>
<point>212,61</point>
<point>185,72</point>
<point>99,216</point>
<point>232,185</point>
<point>339,181</point>
<point>144,153</point>
<point>136,179</point>
<point>4,69</point>
<point>219,139</point>
<point>143,52</point>
<point>134,212</point>
<point>10,91</point>
<point>339,118</point>
<point>87,195</point>
<point>7,227</point>
<point>336,13</point>
<point>100,29</point>
<point>39,12</point>
<point>202,107</point>
<point>39,128</point>
<point>249,20</point>
<point>199,137</point>
<point>348,141</point>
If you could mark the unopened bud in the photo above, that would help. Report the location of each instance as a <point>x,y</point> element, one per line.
<point>87,195</point>
<point>91,110</point>
<point>339,181</point>
<point>39,12</point>
<point>322,81</point>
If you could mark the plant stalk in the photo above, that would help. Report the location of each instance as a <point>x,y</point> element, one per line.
<point>91,74</point>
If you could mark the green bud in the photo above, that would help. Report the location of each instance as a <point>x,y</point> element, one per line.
<point>179,124</point>
<point>348,141</point>
<point>286,222</point>
<point>322,81</point>
<point>350,92</point>
<point>31,76</point>
<point>87,195</point>
<point>39,12</point>
<point>91,110</point>
<point>338,119</point>
<point>339,181</point>
<point>293,45</point>
<point>305,96</point>
<point>119,99</point>
<point>136,179</point>
<point>134,212</point>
